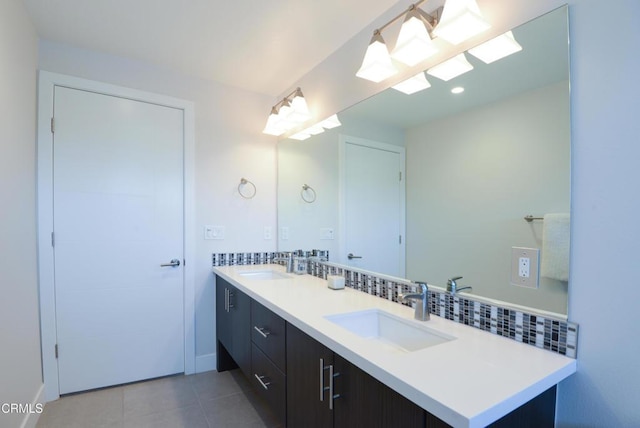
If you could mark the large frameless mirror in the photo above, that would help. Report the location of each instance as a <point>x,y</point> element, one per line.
<point>473,165</point>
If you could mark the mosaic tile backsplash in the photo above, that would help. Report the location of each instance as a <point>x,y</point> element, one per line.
<point>551,334</point>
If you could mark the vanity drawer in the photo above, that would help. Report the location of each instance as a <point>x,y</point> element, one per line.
<point>269,383</point>
<point>268,334</point>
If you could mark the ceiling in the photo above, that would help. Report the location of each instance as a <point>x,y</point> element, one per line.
<point>263,46</point>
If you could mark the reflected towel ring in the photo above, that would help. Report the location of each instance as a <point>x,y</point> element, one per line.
<point>306,188</point>
<point>243,182</point>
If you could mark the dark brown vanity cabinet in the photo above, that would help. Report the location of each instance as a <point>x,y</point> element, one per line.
<point>268,364</point>
<point>233,316</point>
<point>325,390</point>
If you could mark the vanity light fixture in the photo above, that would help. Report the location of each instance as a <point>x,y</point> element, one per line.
<point>287,114</point>
<point>414,41</point>
<point>376,65</point>
<point>496,48</point>
<point>414,84</point>
<point>451,68</point>
<point>461,20</point>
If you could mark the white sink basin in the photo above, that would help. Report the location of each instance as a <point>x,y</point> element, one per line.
<point>263,274</point>
<point>389,330</point>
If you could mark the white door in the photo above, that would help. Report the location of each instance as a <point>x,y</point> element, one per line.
<point>373,201</point>
<point>118,215</point>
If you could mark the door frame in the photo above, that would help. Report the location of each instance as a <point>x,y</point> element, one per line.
<point>47,81</point>
<point>342,160</point>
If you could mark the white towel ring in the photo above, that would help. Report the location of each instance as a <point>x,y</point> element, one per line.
<point>306,188</point>
<point>243,183</point>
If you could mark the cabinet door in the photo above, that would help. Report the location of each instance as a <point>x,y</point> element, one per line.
<point>365,401</point>
<point>233,313</point>
<point>307,400</point>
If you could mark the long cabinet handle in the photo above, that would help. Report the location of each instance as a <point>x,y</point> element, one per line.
<point>264,333</point>
<point>226,299</point>
<point>264,385</point>
<point>332,396</point>
<point>322,379</point>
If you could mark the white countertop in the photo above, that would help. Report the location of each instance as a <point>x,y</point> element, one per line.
<point>471,381</point>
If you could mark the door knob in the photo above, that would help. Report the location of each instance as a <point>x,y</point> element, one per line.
<point>350,256</point>
<point>172,263</point>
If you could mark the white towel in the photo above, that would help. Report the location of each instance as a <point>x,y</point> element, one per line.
<point>555,246</point>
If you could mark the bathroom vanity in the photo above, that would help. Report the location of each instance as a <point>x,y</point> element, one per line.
<point>322,357</point>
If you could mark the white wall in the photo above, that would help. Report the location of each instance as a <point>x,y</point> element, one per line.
<point>20,365</point>
<point>229,146</point>
<point>605,151</point>
<point>472,177</point>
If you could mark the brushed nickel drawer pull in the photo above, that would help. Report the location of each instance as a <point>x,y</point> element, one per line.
<point>265,385</point>
<point>262,331</point>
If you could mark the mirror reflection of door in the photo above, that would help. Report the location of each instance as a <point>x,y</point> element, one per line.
<point>373,206</point>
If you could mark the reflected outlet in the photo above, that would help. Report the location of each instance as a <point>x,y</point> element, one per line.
<point>524,266</point>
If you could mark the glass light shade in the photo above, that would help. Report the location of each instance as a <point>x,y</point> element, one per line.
<point>461,20</point>
<point>376,65</point>
<point>314,129</point>
<point>331,122</point>
<point>496,48</point>
<point>451,68</point>
<point>413,84</point>
<point>414,43</point>
<point>273,126</point>
<point>299,109</point>
<point>301,136</point>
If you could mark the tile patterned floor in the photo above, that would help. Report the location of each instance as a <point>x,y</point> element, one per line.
<point>205,400</point>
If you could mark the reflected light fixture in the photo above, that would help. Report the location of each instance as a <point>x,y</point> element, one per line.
<point>457,90</point>
<point>287,114</point>
<point>376,65</point>
<point>461,20</point>
<point>413,84</point>
<point>496,48</point>
<point>414,43</point>
<point>329,123</point>
<point>451,68</point>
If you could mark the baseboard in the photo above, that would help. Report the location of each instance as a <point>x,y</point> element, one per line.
<point>31,419</point>
<point>205,363</point>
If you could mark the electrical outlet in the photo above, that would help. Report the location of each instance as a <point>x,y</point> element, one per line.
<point>267,232</point>
<point>524,266</point>
<point>284,233</point>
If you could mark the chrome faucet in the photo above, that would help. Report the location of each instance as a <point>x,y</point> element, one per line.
<point>452,285</point>
<point>288,258</point>
<point>422,304</point>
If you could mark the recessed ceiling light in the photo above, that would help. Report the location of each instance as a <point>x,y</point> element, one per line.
<point>457,90</point>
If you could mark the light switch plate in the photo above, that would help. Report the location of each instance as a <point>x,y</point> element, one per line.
<point>326,233</point>
<point>213,232</point>
<point>524,267</point>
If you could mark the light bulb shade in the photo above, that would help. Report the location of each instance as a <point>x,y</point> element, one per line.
<point>376,65</point>
<point>496,48</point>
<point>273,126</point>
<point>314,129</point>
<point>301,136</point>
<point>461,20</point>
<point>414,43</point>
<point>416,83</point>
<point>451,68</point>
<point>299,109</point>
<point>331,122</point>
